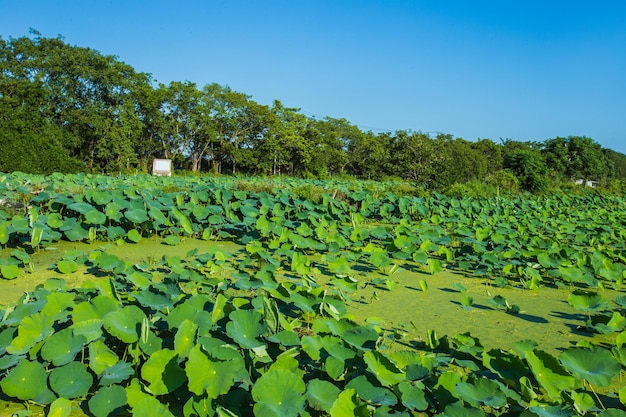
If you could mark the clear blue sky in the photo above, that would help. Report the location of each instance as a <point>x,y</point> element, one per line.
<point>524,70</point>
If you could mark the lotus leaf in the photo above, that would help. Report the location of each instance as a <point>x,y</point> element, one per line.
<point>549,373</point>
<point>67,266</point>
<point>183,221</point>
<point>117,373</point>
<point>62,347</point>
<point>162,371</point>
<point>150,407</point>
<point>172,240</point>
<point>321,394</point>
<point>481,391</point>
<point>95,217</point>
<point>77,232</point>
<point>208,376</point>
<point>371,393</point>
<point>347,404</point>
<point>31,330</point>
<point>115,232</point>
<point>133,235</point>
<point>185,338</point>
<point>412,396</point>
<point>383,368</point>
<point>137,216</point>
<point>586,301</point>
<point>10,271</point>
<point>81,207</point>
<point>27,381</point>
<point>124,323</point>
<point>107,401</point>
<point>458,410</point>
<point>595,365</point>
<point>61,407</point>
<point>361,337</point>
<point>278,393</point>
<point>71,380</point>
<point>245,327</point>
<point>101,357</point>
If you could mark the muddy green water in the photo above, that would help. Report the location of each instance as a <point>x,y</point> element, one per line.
<point>545,316</point>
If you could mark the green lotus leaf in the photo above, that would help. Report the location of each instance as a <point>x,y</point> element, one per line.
<point>185,338</point>
<point>183,221</point>
<point>136,216</point>
<point>61,407</point>
<point>10,271</point>
<point>546,410</point>
<point>55,220</point>
<point>434,266</point>
<point>596,365</point>
<point>101,357</point>
<point>5,232</point>
<point>458,410</point>
<point>113,211</point>
<point>107,401</point>
<point>549,373</point>
<point>158,216</point>
<point>336,348</point>
<point>372,394</point>
<point>133,235</point>
<point>107,261</point>
<point>151,343</point>
<point>8,361</point>
<point>346,404</point>
<point>361,337</point>
<point>612,412</point>
<point>77,232</point>
<point>115,232</point>
<point>125,323</point>
<point>481,391</point>
<point>81,207</point>
<point>31,330</point>
<point>173,240</point>
<point>150,407</point>
<point>208,376</point>
<point>383,368</point>
<point>36,234</point>
<point>67,266</point>
<point>245,327</point>
<point>71,380</point>
<point>278,393</point>
<point>95,217</point>
<point>586,301</point>
<point>321,394</point>
<point>26,381</point>
<point>162,371</point>
<point>117,373</point>
<point>412,396</point>
<point>62,347</point>
<point>339,266</point>
<point>99,197</point>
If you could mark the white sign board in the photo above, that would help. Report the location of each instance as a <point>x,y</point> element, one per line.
<point>162,167</point>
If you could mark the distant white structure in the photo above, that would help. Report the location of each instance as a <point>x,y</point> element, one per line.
<point>588,183</point>
<point>162,167</point>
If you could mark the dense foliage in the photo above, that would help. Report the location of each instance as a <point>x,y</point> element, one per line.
<point>65,109</point>
<point>266,332</point>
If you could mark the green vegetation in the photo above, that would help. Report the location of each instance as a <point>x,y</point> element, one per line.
<point>70,109</point>
<point>273,329</point>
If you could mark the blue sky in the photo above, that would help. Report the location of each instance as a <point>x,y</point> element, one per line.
<point>523,70</point>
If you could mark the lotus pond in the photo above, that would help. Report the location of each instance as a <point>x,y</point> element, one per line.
<point>224,297</point>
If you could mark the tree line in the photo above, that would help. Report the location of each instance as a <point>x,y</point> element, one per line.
<point>66,108</point>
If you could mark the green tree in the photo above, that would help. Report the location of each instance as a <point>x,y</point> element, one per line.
<point>577,157</point>
<point>529,167</point>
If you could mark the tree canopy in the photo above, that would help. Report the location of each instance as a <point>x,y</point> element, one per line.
<point>67,108</point>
